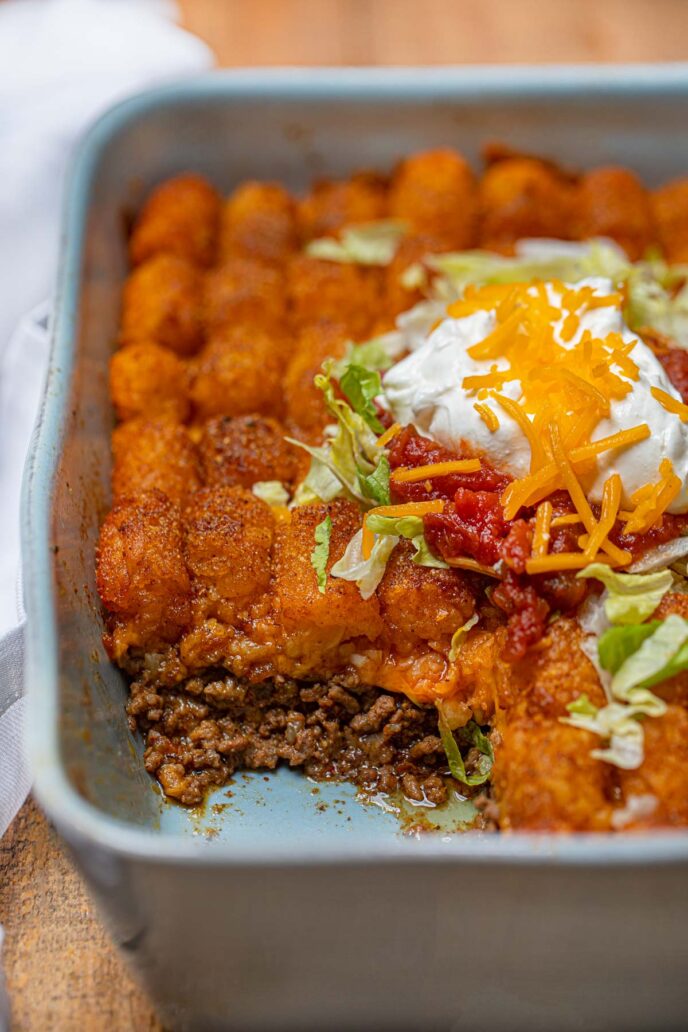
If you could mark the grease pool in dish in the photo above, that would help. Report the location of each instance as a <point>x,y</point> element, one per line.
<point>400,488</point>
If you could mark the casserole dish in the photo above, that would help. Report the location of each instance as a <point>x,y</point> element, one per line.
<point>568,932</point>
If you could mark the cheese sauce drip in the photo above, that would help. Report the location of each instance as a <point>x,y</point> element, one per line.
<point>514,365</point>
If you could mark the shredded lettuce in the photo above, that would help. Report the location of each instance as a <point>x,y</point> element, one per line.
<point>661,655</point>
<point>470,736</point>
<point>377,353</point>
<point>620,725</point>
<point>459,269</point>
<point>411,528</point>
<point>388,530</point>
<point>375,485</point>
<point>616,644</point>
<point>459,636</point>
<point>652,301</point>
<point>271,491</point>
<point>639,656</point>
<point>320,483</point>
<point>321,552</point>
<point>369,243</point>
<point>366,573</point>
<point>652,297</point>
<point>350,453</point>
<point>414,277</point>
<point>360,386</point>
<point>631,597</point>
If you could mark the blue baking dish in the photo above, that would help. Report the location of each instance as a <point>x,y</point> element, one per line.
<point>286,906</point>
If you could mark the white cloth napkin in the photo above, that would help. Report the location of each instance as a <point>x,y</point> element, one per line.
<point>62,62</point>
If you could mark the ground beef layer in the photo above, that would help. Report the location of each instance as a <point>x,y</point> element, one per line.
<point>198,736</point>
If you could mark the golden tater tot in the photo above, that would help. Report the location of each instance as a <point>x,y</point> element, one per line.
<point>543,682</point>
<point>141,575</point>
<point>660,784</point>
<point>348,294</point>
<point>304,403</point>
<point>180,217</point>
<point>227,541</point>
<point>153,454</point>
<point>418,602</point>
<point>331,205</point>
<point>544,778</point>
<point>243,450</point>
<point>612,202</point>
<point>162,302</point>
<point>339,613</point>
<point>670,209</point>
<point>259,222</point>
<point>434,192</point>
<point>149,380</point>
<point>523,197</point>
<point>237,373</point>
<point>244,291</point>
<point>410,252</point>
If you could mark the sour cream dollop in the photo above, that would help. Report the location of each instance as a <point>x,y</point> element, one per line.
<point>425,389</point>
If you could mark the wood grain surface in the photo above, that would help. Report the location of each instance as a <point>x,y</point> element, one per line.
<point>408,32</point>
<point>62,973</point>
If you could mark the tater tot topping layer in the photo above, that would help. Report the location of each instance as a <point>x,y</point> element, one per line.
<point>400,488</point>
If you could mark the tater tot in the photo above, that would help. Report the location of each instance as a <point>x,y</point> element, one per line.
<point>141,575</point>
<point>180,217</point>
<point>348,294</point>
<point>152,454</point>
<point>339,613</point>
<point>304,403</point>
<point>543,682</point>
<point>612,202</point>
<point>660,785</point>
<point>162,302</point>
<point>259,222</point>
<point>243,450</point>
<point>244,291</point>
<point>544,778</point>
<point>523,197</point>
<point>149,380</point>
<point>670,209</point>
<point>227,541</point>
<point>331,205</point>
<point>411,251</point>
<point>434,192</point>
<point>237,373</point>
<point>418,602</point>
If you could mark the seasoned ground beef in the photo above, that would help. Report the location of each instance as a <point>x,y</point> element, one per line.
<point>198,735</point>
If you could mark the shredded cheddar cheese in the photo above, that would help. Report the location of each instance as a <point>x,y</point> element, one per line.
<point>670,404</point>
<point>567,380</point>
<point>387,436</point>
<point>562,561</point>
<point>652,500</point>
<point>488,417</point>
<point>611,499</point>
<point>544,371</point>
<point>543,521</point>
<point>435,469</point>
<point>570,519</point>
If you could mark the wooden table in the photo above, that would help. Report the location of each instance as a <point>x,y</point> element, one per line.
<point>61,971</point>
